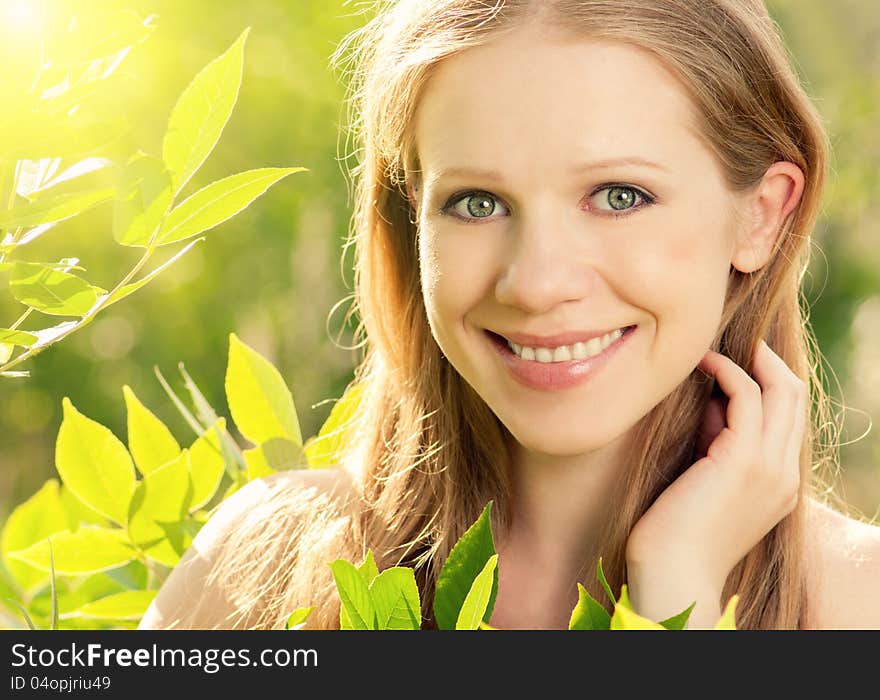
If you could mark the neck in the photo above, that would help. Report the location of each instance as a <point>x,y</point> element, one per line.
<point>560,504</point>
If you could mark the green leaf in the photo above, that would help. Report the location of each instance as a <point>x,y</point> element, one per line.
<point>78,512</point>
<point>206,464</point>
<point>368,568</point>
<point>45,211</point>
<point>160,504</point>
<point>679,622</point>
<point>232,454</point>
<point>16,337</point>
<point>355,596</point>
<point>368,572</point>
<point>201,113</point>
<point>395,597</point>
<point>344,620</point>
<point>81,176</point>
<point>123,292</point>
<point>625,618</point>
<point>297,618</point>
<point>588,614</point>
<point>53,292</point>
<point>177,537</point>
<point>88,550</point>
<point>257,465</point>
<point>204,410</point>
<point>33,520</point>
<point>166,492</point>
<point>274,455</point>
<point>259,400</point>
<point>217,202</point>
<point>475,606</point>
<point>464,563</point>
<point>144,198</point>
<point>65,265</point>
<point>94,464</point>
<point>128,605</point>
<point>728,617</point>
<point>149,440</point>
<point>322,451</point>
<point>600,574</point>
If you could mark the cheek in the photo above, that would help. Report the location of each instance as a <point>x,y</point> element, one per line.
<point>444,285</point>
<point>682,265</point>
<point>455,271</point>
<point>429,269</point>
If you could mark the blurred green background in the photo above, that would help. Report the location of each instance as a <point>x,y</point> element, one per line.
<point>273,274</point>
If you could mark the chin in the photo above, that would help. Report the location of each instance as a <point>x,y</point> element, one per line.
<point>562,440</point>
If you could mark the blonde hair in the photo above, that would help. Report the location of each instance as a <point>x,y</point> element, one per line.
<point>426,450</point>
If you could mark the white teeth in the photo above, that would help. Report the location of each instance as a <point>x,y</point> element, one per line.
<point>543,355</point>
<point>564,353</point>
<point>594,346</point>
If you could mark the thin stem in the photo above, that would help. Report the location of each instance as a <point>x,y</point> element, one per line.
<point>125,280</point>
<point>85,320</point>
<point>21,318</point>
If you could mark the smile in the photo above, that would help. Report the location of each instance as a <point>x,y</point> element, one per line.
<point>559,368</point>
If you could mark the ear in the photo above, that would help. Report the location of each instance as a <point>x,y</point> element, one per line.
<point>766,209</point>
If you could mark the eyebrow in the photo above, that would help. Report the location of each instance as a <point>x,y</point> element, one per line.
<point>594,165</point>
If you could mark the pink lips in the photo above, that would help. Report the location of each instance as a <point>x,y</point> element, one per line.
<point>555,375</point>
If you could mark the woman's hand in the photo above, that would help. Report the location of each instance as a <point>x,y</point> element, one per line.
<point>745,481</point>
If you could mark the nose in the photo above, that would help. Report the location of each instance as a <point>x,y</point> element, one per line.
<point>546,266</point>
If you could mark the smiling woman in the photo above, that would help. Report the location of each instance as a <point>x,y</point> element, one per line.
<point>581,228</point>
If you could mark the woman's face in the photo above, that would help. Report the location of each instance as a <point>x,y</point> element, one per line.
<point>602,211</point>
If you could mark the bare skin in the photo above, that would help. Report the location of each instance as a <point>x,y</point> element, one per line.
<point>532,248</point>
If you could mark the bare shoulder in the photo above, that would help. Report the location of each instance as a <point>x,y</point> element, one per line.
<point>186,600</point>
<point>843,559</point>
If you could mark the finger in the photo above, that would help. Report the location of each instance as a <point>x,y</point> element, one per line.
<point>744,409</point>
<point>793,450</point>
<point>780,397</point>
<point>712,424</point>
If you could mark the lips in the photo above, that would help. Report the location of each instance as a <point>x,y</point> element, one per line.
<point>555,376</point>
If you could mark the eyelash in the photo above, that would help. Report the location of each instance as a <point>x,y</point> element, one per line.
<point>647,200</point>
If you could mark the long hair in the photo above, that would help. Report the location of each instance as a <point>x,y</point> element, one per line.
<point>425,451</point>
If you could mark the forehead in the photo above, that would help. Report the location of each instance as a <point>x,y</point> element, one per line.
<point>537,98</point>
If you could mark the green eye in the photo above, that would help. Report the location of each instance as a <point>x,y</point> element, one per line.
<point>621,197</point>
<point>476,205</point>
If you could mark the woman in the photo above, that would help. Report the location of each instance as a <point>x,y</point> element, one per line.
<point>572,216</point>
